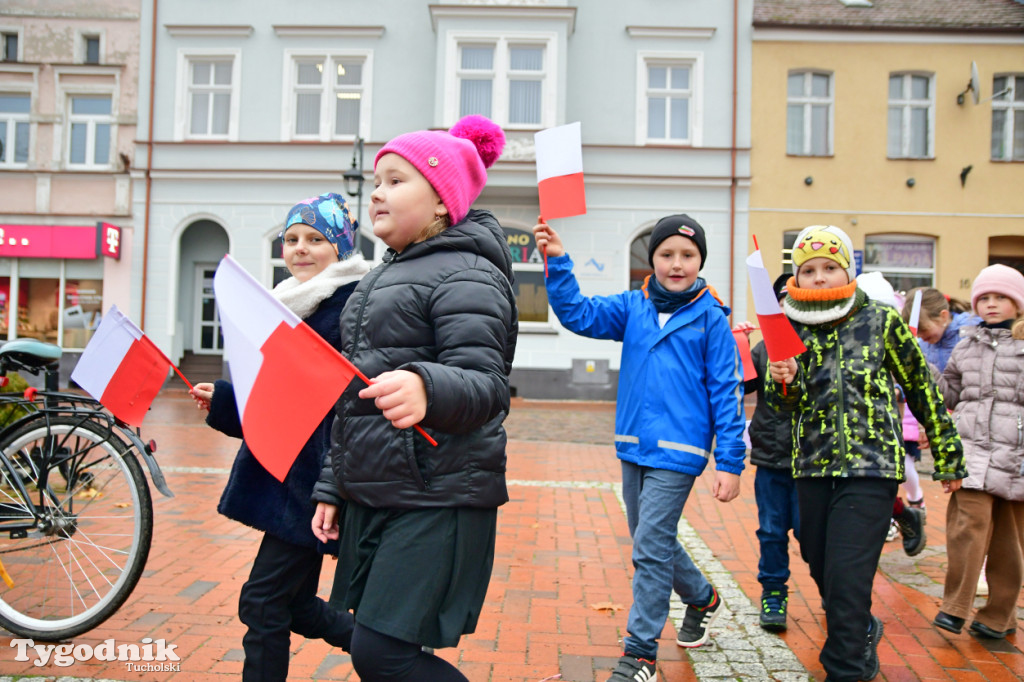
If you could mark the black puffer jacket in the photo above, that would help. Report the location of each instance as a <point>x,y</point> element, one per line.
<point>445,309</point>
<point>771,431</point>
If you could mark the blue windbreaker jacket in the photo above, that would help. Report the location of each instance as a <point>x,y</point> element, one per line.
<point>680,387</point>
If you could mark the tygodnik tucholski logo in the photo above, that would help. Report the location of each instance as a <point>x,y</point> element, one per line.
<point>151,655</point>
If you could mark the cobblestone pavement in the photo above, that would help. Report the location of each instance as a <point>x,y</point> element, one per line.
<point>560,591</point>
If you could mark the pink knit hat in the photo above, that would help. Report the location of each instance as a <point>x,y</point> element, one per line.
<point>453,162</point>
<point>999,279</point>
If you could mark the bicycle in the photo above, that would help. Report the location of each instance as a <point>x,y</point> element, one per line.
<point>76,515</point>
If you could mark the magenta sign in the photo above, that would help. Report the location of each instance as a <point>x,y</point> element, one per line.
<point>48,241</point>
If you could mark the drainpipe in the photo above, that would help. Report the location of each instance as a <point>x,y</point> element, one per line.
<point>149,167</point>
<point>732,154</point>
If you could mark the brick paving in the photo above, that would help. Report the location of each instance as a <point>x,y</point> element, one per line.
<point>560,592</point>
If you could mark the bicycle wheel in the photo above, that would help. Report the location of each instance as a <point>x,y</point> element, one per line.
<point>75,549</point>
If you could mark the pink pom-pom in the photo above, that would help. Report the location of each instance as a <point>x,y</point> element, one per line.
<point>485,134</point>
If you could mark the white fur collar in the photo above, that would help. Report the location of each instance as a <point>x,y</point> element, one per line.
<point>303,298</point>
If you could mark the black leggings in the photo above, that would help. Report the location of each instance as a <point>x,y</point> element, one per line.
<point>381,658</point>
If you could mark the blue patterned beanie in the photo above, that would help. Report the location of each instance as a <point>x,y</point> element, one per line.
<point>328,214</point>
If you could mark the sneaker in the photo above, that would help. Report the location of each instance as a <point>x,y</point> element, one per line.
<point>633,669</point>
<point>982,590</point>
<point>912,529</point>
<point>894,531</point>
<point>773,610</point>
<point>871,664</point>
<point>696,623</point>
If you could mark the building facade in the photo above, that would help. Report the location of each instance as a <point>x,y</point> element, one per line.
<point>68,93</point>
<point>244,113</point>
<point>899,123</point>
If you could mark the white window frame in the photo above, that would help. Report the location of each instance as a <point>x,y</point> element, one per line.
<point>80,44</point>
<point>808,102</point>
<point>183,94</point>
<point>1008,104</point>
<point>327,91</point>
<point>20,33</point>
<point>502,42</point>
<point>907,104</point>
<point>695,62</point>
<point>881,238</point>
<point>10,120</point>
<point>91,121</point>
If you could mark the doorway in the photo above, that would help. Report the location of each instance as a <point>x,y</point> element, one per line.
<point>207,338</point>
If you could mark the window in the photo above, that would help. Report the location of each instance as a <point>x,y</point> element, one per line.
<point>209,97</point>
<point>9,45</point>
<point>91,49</point>
<point>639,266</point>
<point>329,97</point>
<point>911,114</point>
<point>14,128</point>
<point>528,264</point>
<point>278,269</point>
<point>906,261</point>
<point>90,122</point>
<point>509,79</point>
<point>1008,118</point>
<point>668,106</point>
<point>809,114</point>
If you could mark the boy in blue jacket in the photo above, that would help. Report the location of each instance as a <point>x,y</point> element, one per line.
<point>680,389</point>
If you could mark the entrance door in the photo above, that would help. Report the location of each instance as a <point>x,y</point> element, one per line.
<point>206,335</point>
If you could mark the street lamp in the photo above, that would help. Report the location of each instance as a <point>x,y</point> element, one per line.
<point>354,185</point>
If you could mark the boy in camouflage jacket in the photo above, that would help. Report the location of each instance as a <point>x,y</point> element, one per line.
<point>848,457</point>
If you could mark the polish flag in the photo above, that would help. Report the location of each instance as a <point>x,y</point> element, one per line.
<point>915,312</point>
<point>780,339</point>
<point>286,376</point>
<point>121,368</point>
<point>560,171</point>
<point>743,344</point>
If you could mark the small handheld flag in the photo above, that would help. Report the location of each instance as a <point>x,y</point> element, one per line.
<point>743,344</point>
<point>560,171</point>
<point>780,339</point>
<point>915,312</point>
<point>122,368</point>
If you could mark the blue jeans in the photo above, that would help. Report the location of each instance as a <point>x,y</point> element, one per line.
<point>777,512</point>
<point>654,502</point>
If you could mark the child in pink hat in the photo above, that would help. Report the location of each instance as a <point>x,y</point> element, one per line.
<point>435,326</point>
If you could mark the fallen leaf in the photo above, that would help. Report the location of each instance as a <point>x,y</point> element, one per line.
<point>607,606</point>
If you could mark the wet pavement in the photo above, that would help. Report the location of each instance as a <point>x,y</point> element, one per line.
<point>560,590</point>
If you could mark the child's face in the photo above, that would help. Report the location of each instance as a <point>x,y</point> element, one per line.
<point>995,308</point>
<point>403,203</point>
<point>931,329</point>
<point>821,273</point>
<point>307,252</point>
<point>676,263</point>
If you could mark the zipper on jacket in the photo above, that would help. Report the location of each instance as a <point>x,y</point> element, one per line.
<point>840,402</point>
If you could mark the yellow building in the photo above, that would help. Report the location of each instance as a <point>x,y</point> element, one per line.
<point>900,124</point>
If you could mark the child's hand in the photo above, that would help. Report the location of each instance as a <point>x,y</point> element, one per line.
<point>726,486</point>
<point>325,522</point>
<point>548,239</point>
<point>951,486</point>
<point>202,393</point>
<point>400,395</point>
<point>746,326</point>
<point>784,371</point>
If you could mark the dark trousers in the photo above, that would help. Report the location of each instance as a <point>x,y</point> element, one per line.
<point>382,658</point>
<point>777,514</point>
<point>843,523</point>
<point>280,598</point>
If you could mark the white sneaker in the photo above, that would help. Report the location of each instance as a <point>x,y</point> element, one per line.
<point>982,590</point>
<point>894,531</point>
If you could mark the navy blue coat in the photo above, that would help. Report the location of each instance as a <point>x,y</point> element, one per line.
<point>254,497</point>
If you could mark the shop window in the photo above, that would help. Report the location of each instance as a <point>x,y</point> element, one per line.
<point>906,261</point>
<point>41,314</point>
<point>639,266</point>
<point>528,265</point>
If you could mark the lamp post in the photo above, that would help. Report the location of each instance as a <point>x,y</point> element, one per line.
<point>354,185</point>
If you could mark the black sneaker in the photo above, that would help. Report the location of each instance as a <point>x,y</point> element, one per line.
<point>911,523</point>
<point>696,623</point>
<point>871,665</point>
<point>773,610</point>
<point>633,669</point>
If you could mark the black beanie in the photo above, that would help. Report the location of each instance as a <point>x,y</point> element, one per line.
<point>779,285</point>
<point>682,225</point>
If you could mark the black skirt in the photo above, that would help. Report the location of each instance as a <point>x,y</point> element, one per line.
<point>419,575</point>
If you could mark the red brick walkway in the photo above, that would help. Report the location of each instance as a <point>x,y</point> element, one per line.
<point>560,594</point>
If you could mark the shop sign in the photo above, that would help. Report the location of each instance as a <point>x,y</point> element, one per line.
<point>48,241</point>
<point>523,246</point>
<point>108,240</point>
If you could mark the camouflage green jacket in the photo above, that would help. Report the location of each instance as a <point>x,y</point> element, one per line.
<point>845,422</point>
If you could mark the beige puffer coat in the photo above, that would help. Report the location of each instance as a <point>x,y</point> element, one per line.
<point>984,384</point>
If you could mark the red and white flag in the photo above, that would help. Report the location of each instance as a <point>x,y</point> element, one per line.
<point>560,171</point>
<point>780,339</point>
<point>915,312</point>
<point>122,368</point>
<point>286,376</point>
